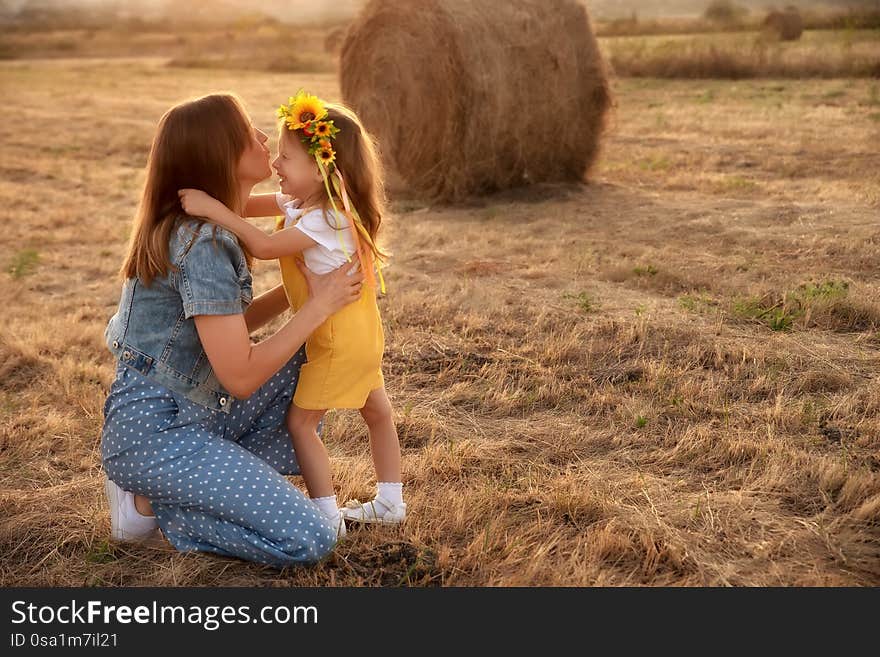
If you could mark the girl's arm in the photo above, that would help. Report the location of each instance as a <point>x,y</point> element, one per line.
<point>262,246</point>
<point>261,205</point>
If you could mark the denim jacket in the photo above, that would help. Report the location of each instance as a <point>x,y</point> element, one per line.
<point>153,329</point>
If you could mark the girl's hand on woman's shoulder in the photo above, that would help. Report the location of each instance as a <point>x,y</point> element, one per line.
<point>334,290</point>
<point>197,203</point>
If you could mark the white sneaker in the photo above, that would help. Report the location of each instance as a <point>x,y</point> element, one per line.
<point>378,510</point>
<point>341,531</point>
<point>126,522</point>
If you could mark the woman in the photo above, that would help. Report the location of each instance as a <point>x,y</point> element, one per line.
<point>194,439</point>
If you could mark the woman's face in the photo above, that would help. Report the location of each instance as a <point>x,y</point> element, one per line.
<point>254,163</point>
<point>297,171</point>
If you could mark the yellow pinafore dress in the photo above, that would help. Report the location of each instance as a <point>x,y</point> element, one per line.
<point>344,354</point>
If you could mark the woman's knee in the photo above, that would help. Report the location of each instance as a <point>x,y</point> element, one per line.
<point>309,547</point>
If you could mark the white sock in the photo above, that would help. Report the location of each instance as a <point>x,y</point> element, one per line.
<point>327,506</point>
<point>391,491</point>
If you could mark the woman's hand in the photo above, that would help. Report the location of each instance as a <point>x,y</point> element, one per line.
<point>334,290</point>
<point>197,203</point>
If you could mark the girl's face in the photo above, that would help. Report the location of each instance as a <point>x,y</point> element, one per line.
<point>297,170</point>
<point>254,163</point>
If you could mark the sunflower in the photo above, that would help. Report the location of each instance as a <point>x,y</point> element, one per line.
<point>325,143</point>
<point>306,108</point>
<point>322,128</point>
<point>327,156</point>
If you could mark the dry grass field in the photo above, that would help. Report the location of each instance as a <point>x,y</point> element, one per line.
<point>748,54</point>
<point>665,377</point>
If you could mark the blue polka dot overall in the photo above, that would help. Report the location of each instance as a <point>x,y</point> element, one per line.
<point>215,479</point>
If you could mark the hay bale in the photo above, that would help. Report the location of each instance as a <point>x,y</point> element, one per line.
<point>333,40</point>
<point>785,25</point>
<point>471,97</point>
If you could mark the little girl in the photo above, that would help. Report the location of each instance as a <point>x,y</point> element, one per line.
<point>331,195</point>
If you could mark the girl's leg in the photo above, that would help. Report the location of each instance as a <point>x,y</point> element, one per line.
<point>384,444</point>
<point>314,462</point>
<point>388,505</point>
<point>311,454</point>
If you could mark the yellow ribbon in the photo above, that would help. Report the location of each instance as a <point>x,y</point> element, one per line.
<point>354,220</point>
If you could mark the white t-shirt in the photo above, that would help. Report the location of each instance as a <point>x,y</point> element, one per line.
<point>327,255</point>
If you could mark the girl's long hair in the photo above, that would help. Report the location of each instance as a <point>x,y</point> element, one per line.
<point>198,144</point>
<point>359,163</point>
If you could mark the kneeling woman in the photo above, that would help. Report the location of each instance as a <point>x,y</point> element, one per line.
<point>194,439</point>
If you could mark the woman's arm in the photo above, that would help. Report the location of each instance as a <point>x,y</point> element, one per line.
<point>265,308</point>
<point>242,367</point>
<point>262,205</point>
<point>262,246</point>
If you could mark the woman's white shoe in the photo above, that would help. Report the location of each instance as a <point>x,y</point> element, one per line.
<point>126,522</point>
<point>378,510</point>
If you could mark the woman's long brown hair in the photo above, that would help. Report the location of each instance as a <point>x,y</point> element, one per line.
<point>198,145</point>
